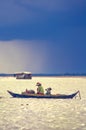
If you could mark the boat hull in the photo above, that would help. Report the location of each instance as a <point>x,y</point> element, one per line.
<point>58,96</point>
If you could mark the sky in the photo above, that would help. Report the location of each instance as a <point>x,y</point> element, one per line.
<point>46,36</point>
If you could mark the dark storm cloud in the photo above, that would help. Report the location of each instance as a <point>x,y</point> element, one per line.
<point>20,11</point>
<point>43,36</point>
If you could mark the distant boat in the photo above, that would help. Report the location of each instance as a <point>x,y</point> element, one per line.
<point>23,75</point>
<point>57,96</point>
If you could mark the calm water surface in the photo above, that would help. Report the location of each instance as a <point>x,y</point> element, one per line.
<point>41,114</point>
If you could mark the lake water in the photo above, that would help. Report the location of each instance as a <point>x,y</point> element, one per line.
<point>43,114</point>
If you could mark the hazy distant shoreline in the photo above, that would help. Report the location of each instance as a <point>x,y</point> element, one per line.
<point>47,75</point>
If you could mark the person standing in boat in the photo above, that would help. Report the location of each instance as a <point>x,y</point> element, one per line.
<point>40,89</point>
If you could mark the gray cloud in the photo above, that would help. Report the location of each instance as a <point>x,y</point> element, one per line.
<point>20,11</point>
<point>12,13</point>
<point>58,5</point>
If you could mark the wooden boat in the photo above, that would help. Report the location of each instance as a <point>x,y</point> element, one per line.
<point>57,96</point>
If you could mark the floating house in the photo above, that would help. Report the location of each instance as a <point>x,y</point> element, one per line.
<point>23,75</point>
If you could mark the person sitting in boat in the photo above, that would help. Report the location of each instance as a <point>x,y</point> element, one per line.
<point>48,91</point>
<point>40,89</point>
